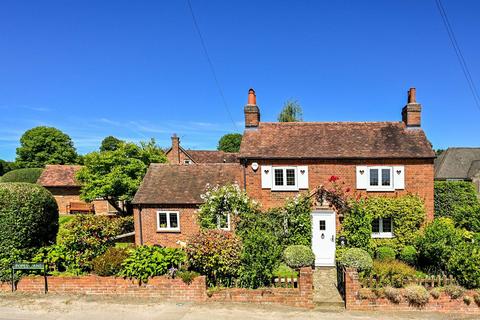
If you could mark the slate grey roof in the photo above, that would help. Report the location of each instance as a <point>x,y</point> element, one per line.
<point>457,163</point>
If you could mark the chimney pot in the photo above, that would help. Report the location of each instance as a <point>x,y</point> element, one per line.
<point>251,110</point>
<point>252,98</point>
<point>412,95</point>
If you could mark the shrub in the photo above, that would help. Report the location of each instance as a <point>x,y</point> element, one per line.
<point>467,300</point>
<point>416,295</point>
<point>149,261</point>
<point>393,294</point>
<point>187,276</point>
<point>392,272</point>
<point>408,255</point>
<point>215,254</point>
<point>385,253</point>
<point>356,258</point>
<point>454,291</point>
<point>284,271</point>
<point>297,256</point>
<point>458,200</point>
<point>435,293</point>
<point>463,264</point>
<point>29,175</point>
<point>379,292</point>
<point>365,293</point>
<point>110,263</point>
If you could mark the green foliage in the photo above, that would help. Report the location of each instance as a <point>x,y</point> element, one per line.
<point>116,175</point>
<point>110,263</point>
<point>435,293</point>
<point>393,294</point>
<point>284,271</point>
<point>356,258</point>
<point>149,261</point>
<point>297,256</point>
<point>454,291</point>
<point>417,295</point>
<point>409,255</point>
<point>385,253</point>
<point>29,175</point>
<point>45,145</point>
<point>458,200</point>
<point>215,254</point>
<point>6,166</point>
<point>110,143</point>
<point>357,227</point>
<point>392,272</point>
<point>464,264</point>
<point>230,142</point>
<point>291,112</point>
<point>187,276</point>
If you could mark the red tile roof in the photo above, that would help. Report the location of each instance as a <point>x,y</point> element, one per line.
<point>334,140</point>
<point>180,184</point>
<point>56,175</point>
<point>212,156</point>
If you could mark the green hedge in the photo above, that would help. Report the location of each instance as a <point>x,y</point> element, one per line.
<point>29,175</point>
<point>458,200</point>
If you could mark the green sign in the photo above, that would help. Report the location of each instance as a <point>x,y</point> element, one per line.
<point>28,266</point>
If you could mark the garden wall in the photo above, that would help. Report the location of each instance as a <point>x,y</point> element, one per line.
<point>170,289</point>
<point>443,304</point>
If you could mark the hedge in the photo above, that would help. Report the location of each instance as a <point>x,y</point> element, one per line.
<point>29,175</point>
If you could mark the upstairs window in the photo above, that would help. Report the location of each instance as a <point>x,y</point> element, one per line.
<point>380,179</point>
<point>284,178</point>
<point>168,221</point>
<point>382,228</point>
<point>223,222</point>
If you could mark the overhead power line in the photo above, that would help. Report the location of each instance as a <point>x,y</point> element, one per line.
<point>459,54</point>
<point>210,64</point>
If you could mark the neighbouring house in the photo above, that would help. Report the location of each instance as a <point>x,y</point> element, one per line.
<point>459,164</point>
<point>280,160</point>
<point>177,155</point>
<point>61,182</point>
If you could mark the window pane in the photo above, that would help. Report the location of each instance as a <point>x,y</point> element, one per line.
<point>290,177</point>
<point>385,177</point>
<point>322,225</point>
<point>162,220</point>
<point>279,177</point>
<point>387,224</point>
<point>173,220</point>
<point>375,226</point>
<point>374,177</point>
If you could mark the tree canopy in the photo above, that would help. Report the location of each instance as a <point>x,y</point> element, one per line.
<point>110,143</point>
<point>291,112</point>
<point>116,175</point>
<point>45,145</point>
<point>6,166</point>
<point>230,142</point>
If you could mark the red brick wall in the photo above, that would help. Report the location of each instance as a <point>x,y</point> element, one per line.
<point>161,287</point>
<point>172,157</point>
<point>150,235</point>
<point>65,195</point>
<point>419,176</point>
<point>443,304</point>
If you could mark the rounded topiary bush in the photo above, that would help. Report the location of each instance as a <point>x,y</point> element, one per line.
<point>409,255</point>
<point>29,175</point>
<point>385,253</point>
<point>297,256</point>
<point>356,258</point>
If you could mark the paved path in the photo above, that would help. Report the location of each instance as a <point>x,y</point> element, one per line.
<point>325,293</point>
<point>53,307</point>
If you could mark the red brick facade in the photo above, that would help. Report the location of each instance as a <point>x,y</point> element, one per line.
<point>65,195</point>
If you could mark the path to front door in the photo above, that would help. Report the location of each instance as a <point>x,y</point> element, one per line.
<point>323,237</point>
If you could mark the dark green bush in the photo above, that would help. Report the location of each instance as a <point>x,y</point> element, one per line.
<point>297,256</point>
<point>149,261</point>
<point>458,200</point>
<point>409,255</point>
<point>110,263</point>
<point>385,253</point>
<point>29,175</point>
<point>356,258</point>
<point>464,264</point>
<point>215,254</point>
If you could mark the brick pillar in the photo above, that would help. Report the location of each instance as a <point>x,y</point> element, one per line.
<point>305,286</point>
<point>352,286</point>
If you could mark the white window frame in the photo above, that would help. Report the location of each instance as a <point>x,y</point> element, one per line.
<point>168,228</point>
<point>187,161</point>
<point>391,187</point>
<point>284,187</point>
<point>381,234</point>
<point>228,223</point>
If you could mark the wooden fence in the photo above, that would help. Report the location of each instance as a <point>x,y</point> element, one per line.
<point>375,281</point>
<point>285,282</point>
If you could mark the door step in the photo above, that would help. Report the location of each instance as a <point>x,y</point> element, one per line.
<point>330,306</point>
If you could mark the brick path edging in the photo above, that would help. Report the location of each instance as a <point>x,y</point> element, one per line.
<point>443,304</point>
<point>170,289</point>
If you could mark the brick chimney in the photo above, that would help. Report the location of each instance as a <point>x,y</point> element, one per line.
<point>411,113</point>
<point>174,157</point>
<point>251,110</point>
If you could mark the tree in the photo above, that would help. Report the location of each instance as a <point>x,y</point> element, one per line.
<point>230,142</point>
<point>116,175</point>
<point>6,166</point>
<point>291,112</point>
<point>45,145</point>
<point>439,152</point>
<point>110,143</point>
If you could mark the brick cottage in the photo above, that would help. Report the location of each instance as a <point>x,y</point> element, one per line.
<point>280,160</point>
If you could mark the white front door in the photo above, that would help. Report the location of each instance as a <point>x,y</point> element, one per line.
<point>323,237</point>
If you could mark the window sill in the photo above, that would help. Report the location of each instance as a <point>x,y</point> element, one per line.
<point>168,230</point>
<point>285,189</point>
<point>386,189</point>
<point>382,235</point>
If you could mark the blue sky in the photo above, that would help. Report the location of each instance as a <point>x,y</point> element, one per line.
<point>136,69</point>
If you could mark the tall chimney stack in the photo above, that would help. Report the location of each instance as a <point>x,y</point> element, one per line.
<point>411,113</point>
<point>251,110</point>
<point>175,157</point>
